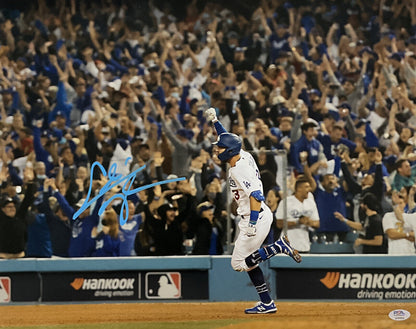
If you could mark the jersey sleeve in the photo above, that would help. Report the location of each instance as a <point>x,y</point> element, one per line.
<point>219,128</point>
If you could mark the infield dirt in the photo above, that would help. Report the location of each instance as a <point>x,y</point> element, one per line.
<point>290,315</point>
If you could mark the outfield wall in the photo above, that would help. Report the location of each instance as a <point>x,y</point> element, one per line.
<point>349,277</point>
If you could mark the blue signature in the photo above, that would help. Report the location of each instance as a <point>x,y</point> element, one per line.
<point>115,179</point>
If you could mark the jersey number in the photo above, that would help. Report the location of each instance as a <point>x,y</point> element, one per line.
<point>236,194</point>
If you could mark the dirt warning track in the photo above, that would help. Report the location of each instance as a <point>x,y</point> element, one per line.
<point>296,315</point>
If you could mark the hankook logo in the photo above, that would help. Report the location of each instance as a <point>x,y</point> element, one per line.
<point>369,280</point>
<point>330,280</point>
<point>103,284</point>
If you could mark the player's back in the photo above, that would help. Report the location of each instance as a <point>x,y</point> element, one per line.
<point>247,162</point>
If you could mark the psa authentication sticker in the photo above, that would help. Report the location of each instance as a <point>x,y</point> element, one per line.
<point>399,315</point>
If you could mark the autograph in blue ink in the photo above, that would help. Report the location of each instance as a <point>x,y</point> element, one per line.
<point>115,179</point>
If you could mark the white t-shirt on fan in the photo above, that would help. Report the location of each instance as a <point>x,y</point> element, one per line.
<point>399,246</point>
<point>299,236</point>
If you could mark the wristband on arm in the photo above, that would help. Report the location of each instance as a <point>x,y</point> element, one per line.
<point>254,215</point>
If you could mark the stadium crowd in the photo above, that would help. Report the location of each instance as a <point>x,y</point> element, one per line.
<point>126,83</point>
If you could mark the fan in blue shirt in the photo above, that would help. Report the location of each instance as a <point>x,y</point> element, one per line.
<point>330,197</point>
<point>279,42</point>
<point>41,144</point>
<point>309,144</point>
<point>129,230</point>
<point>81,244</point>
<point>330,142</point>
<point>107,242</point>
<point>38,237</point>
<point>59,224</point>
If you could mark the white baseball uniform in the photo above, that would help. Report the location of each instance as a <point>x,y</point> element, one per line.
<point>244,178</point>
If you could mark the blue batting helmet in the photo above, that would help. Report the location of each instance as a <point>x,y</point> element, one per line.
<point>231,143</point>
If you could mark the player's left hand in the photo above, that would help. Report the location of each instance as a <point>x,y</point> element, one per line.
<point>210,114</point>
<point>251,230</point>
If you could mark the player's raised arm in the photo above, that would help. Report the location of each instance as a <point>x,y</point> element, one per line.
<point>211,115</point>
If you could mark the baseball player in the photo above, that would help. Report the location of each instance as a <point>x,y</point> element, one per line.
<point>256,217</point>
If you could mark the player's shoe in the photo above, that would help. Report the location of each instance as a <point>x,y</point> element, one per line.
<point>261,307</point>
<point>284,244</point>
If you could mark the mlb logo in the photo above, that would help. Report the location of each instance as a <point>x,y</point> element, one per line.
<point>163,285</point>
<point>5,289</point>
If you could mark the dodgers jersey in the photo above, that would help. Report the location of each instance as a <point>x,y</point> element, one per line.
<point>299,236</point>
<point>244,178</point>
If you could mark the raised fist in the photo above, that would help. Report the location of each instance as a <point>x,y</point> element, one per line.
<point>210,114</point>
